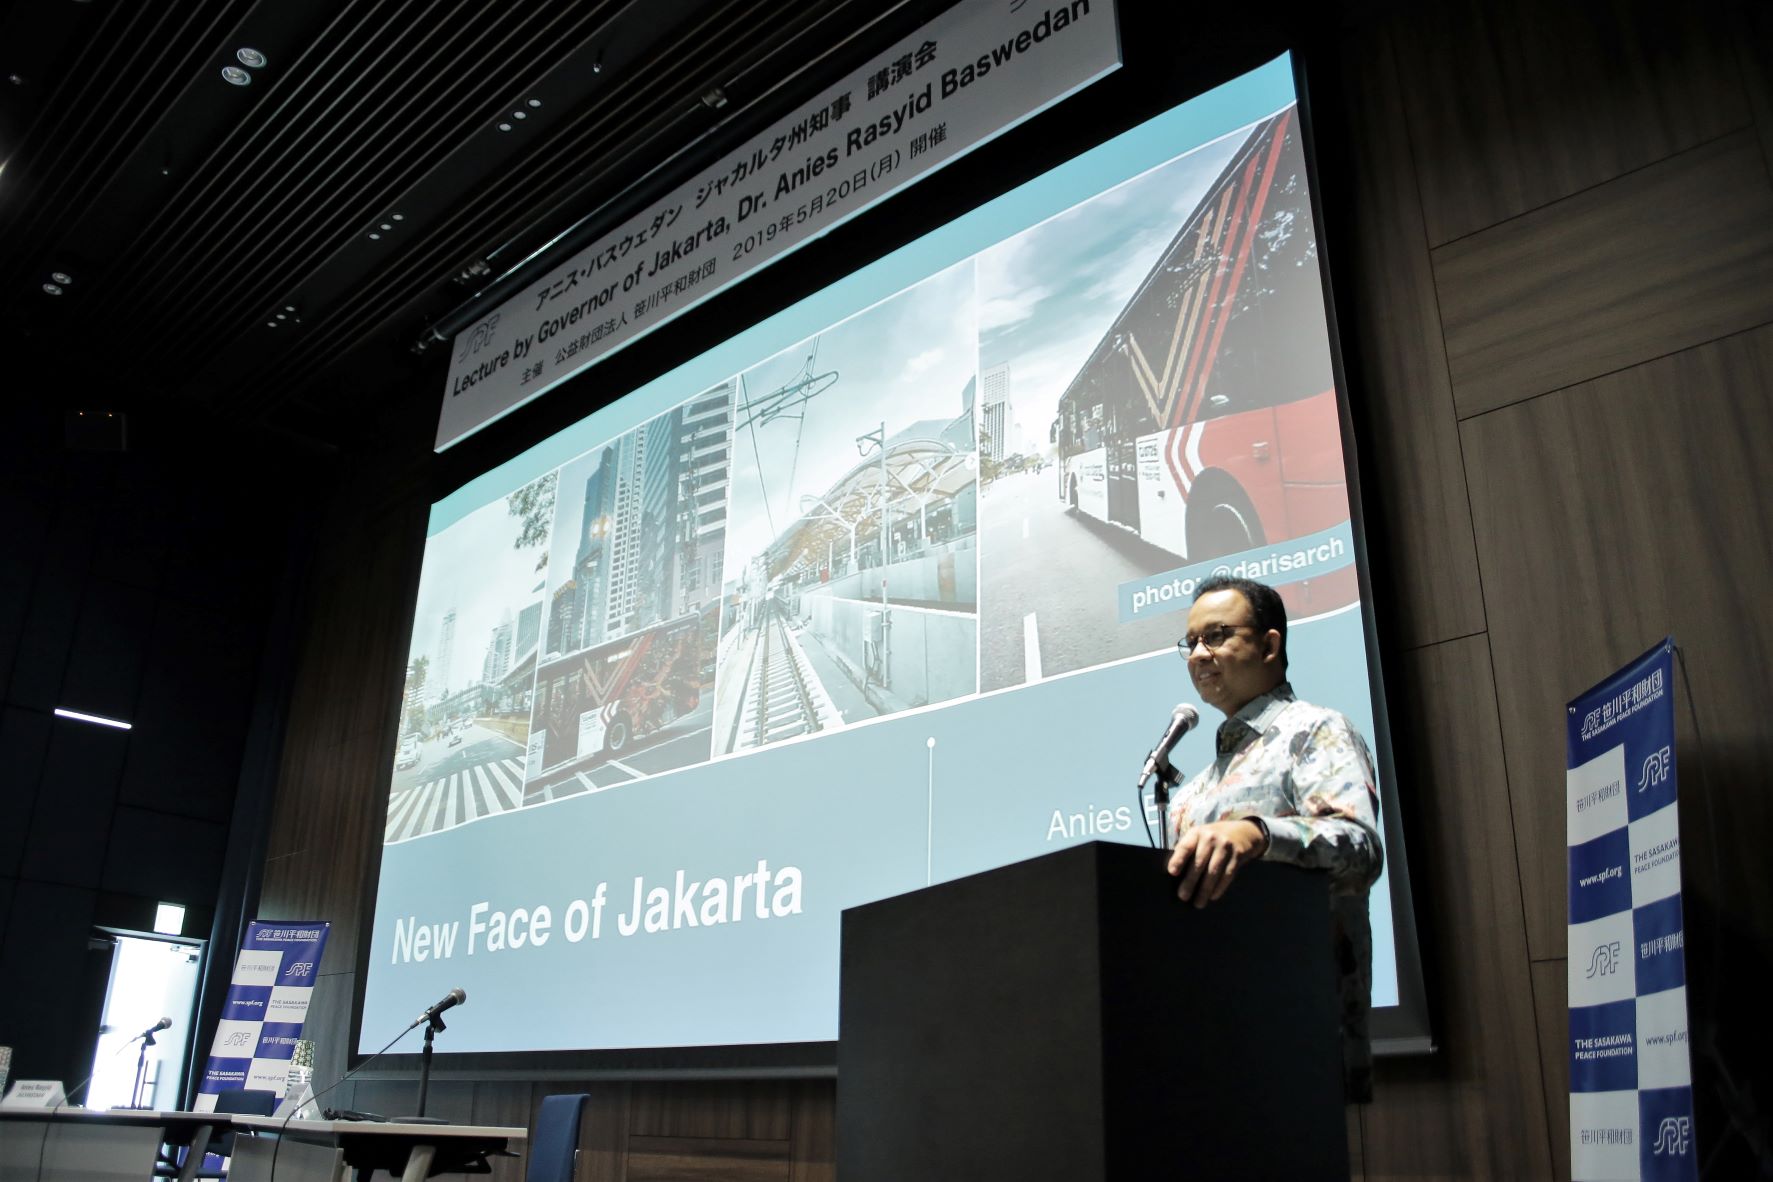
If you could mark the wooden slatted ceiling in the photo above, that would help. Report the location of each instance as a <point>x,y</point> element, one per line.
<point>193,212</point>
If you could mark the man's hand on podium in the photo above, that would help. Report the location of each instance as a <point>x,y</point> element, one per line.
<point>1208,857</point>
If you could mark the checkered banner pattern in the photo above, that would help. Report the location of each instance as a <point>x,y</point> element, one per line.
<point>1631,1083</point>
<point>266,1007</point>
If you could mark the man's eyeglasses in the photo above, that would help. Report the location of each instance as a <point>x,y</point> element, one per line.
<point>1214,638</point>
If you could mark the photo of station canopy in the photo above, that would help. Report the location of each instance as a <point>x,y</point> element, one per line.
<point>852,587</point>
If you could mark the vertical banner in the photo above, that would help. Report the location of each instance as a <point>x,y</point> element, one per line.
<point>266,1007</point>
<point>1631,1084</point>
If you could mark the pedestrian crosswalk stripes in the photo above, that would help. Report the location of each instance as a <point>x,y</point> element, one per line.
<point>456,799</point>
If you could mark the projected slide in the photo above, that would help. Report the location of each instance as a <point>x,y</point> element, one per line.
<point>882,592</point>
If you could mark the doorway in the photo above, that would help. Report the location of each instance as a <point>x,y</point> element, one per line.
<point>152,977</point>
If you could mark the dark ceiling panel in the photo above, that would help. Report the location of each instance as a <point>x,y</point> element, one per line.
<point>226,246</point>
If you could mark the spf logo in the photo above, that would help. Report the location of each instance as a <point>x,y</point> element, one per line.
<point>301,968</point>
<point>1605,960</point>
<point>240,1038</point>
<point>482,334</point>
<point>1673,1135</point>
<point>1656,769</point>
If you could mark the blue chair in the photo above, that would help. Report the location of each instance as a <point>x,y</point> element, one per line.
<point>554,1143</point>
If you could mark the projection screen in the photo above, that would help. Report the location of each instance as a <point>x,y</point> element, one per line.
<point>880,592</point>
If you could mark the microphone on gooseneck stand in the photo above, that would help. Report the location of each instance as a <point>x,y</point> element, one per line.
<point>146,1038</point>
<point>1182,720</point>
<point>454,997</point>
<point>432,1023</point>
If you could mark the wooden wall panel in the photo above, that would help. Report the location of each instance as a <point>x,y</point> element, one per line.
<point>1752,30</point>
<point>1519,103</point>
<point>603,1138</point>
<point>301,751</point>
<point>1414,479</point>
<point>744,1109</point>
<point>359,625</point>
<point>328,815</point>
<point>509,1103</point>
<point>327,876</point>
<point>1477,1109</point>
<point>1676,254</point>
<point>1607,515</point>
<point>706,1159</point>
<point>329,1026</point>
<point>1551,1000</point>
<point>813,1137</point>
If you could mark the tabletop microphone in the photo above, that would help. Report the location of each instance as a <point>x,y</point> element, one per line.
<point>1182,720</point>
<point>454,997</point>
<point>163,1024</point>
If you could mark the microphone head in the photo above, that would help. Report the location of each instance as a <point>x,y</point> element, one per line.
<point>458,996</point>
<point>163,1024</point>
<point>1188,714</point>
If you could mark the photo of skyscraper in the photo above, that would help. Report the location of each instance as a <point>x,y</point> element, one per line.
<point>632,602</point>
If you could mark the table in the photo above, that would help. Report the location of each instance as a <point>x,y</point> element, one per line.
<point>90,1145</point>
<point>321,1150</point>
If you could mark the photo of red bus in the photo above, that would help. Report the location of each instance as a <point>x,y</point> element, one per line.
<point>1204,421</point>
<point>1166,347</point>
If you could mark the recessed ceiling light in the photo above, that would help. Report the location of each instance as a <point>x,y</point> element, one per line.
<point>520,114</point>
<point>251,57</point>
<point>53,288</point>
<point>237,76</point>
<point>283,315</point>
<point>61,277</point>
<point>535,102</point>
<point>270,324</point>
<point>289,307</point>
<point>387,226</point>
<point>400,217</point>
<point>376,237</point>
<point>504,127</point>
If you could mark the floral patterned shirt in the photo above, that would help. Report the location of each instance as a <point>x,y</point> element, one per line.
<point>1306,774</point>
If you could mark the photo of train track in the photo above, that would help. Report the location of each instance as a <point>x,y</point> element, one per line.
<point>852,588</point>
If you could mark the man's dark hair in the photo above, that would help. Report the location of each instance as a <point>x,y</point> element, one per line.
<point>1265,602</point>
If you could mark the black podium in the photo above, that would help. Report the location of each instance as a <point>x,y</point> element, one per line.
<point>1068,1018</point>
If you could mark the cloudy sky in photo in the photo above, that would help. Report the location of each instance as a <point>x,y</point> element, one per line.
<point>902,360</point>
<point>1048,295</point>
<point>472,568</point>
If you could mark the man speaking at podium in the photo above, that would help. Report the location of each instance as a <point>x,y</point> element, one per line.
<point>1291,782</point>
